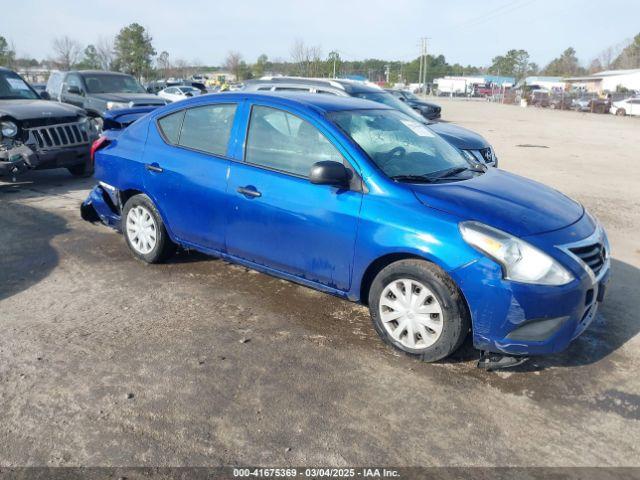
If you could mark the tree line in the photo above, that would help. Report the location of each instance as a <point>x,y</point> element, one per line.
<point>132,51</point>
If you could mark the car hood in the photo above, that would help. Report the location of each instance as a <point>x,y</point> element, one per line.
<point>503,200</point>
<point>128,97</point>
<point>37,109</point>
<point>459,137</point>
<point>419,103</point>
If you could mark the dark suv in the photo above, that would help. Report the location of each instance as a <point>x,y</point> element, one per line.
<point>36,133</point>
<point>98,92</point>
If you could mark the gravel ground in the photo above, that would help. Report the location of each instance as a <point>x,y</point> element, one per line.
<point>105,361</point>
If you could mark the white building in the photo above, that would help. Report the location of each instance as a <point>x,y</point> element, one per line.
<point>608,81</point>
<point>546,83</point>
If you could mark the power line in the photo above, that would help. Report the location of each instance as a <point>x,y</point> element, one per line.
<point>491,15</point>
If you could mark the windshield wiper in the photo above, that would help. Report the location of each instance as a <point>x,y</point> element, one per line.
<point>413,178</point>
<point>451,172</point>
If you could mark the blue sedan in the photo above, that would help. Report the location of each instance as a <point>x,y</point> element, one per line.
<point>358,200</point>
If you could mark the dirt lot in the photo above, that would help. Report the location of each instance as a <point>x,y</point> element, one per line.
<point>106,361</point>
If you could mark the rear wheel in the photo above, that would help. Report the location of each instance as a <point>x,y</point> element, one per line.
<point>417,309</point>
<point>144,230</point>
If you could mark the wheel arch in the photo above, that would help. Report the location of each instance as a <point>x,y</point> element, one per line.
<point>126,194</point>
<point>378,264</point>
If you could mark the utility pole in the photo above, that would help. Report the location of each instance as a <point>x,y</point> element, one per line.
<point>424,69</point>
<point>422,75</point>
<point>420,71</point>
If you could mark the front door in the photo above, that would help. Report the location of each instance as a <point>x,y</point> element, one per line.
<point>276,217</point>
<point>186,171</point>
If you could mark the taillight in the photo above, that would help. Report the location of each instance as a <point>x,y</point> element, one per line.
<point>99,144</point>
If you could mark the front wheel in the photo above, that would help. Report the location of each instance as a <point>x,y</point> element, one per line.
<point>621,112</point>
<point>417,309</point>
<point>144,230</point>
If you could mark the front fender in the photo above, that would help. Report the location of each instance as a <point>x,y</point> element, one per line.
<point>404,226</point>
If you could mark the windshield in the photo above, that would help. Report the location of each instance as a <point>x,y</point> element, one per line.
<point>101,83</point>
<point>12,87</point>
<point>398,145</point>
<point>410,95</point>
<point>390,100</point>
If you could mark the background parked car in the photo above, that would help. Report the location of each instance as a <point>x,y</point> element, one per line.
<point>582,103</point>
<point>174,94</point>
<point>98,92</point>
<point>560,102</point>
<point>39,134</point>
<point>538,98</point>
<point>630,106</point>
<point>428,110</point>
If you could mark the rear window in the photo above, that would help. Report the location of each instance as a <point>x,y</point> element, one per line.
<point>170,126</point>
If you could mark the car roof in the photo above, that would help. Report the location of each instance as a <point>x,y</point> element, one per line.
<point>319,102</point>
<point>348,86</point>
<point>99,72</point>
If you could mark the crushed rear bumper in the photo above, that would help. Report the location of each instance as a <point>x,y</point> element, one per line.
<point>102,205</point>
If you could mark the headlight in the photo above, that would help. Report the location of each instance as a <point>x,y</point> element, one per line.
<point>116,105</point>
<point>520,261</point>
<point>8,129</point>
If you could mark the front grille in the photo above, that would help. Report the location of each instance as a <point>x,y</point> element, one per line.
<point>487,154</point>
<point>65,135</point>
<point>593,255</point>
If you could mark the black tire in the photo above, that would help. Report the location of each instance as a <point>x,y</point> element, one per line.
<point>163,247</point>
<point>455,317</point>
<point>83,170</point>
<point>621,112</point>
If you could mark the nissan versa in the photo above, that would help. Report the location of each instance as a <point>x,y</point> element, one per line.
<point>358,200</point>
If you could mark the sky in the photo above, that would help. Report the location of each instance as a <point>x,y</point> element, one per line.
<point>465,31</point>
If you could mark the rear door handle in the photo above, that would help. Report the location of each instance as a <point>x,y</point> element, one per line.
<point>153,167</point>
<point>249,191</point>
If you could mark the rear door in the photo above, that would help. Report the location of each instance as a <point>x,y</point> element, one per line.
<point>276,216</point>
<point>186,166</point>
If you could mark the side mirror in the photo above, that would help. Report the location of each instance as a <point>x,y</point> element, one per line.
<point>402,99</point>
<point>329,173</point>
<point>45,95</point>
<point>74,90</point>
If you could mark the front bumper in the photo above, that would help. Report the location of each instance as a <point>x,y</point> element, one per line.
<point>24,157</point>
<point>523,319</point>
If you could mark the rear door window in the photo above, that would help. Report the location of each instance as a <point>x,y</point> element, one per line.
<point>208,128</point>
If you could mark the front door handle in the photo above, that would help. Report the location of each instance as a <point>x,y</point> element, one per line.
<point>249,191</point>
<point>153,167</point>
